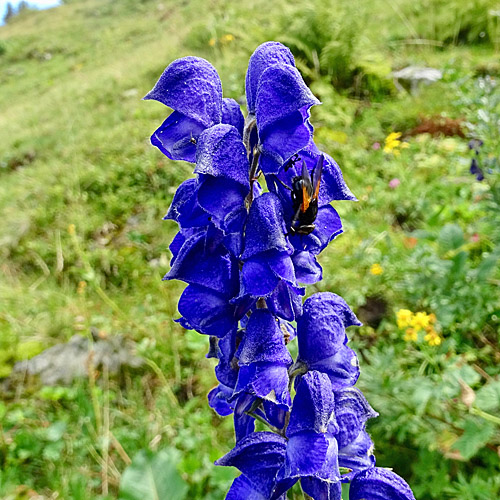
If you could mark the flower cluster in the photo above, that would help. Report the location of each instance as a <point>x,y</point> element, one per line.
<point>393,144</point>
<point>246,254</point>
<point>413,323</point>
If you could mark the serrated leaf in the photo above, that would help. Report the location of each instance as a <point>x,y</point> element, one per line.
<point>477,434</point>
<point>152,477</point>
<point>486,267</point>
<point>488,397</point>
<point>451,237</point>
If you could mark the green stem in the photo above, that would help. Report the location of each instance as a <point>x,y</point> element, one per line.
<point>486,416</point>
<point>253,172</point>
<point>260,419</point>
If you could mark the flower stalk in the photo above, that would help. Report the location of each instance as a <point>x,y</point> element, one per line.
<point>247,252</point>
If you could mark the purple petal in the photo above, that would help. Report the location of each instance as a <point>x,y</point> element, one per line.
<point>192,87</point>
<point>332,186</point>
<point>321,334</point>
<point>259,456</point>
<point>265,228</point>
<point>207,311</point>
<point>281,93</point>
<point>176,137</point>
<point>379,484</point>
<point>220,153</point>
<point>257,279</point>
<point>327,227</point>
<point>227,369</point>
<point>321,328</point>
<point>321,490</point>
<point>281,140</point>
<point>185,209</point>
<point>176,245</point>
<point>263,341</point>
<point>285,301</point>
<point>231,114</point>
<point>218,400</point>
<point>313,404</point>
<point>220,197</point>
<point>244,424</point>
<point>242,489</point>
<point>352,410</point>
<point>268,381</point>
<point>199,264</point>
<point>306,454</point>
<point>358,455</point>
<point>307,269</point>
<point>275,414</point>
<point>265,55</point>
<point>342,368</point>
<point>281,264</point>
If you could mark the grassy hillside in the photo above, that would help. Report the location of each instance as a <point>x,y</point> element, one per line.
<point>82,244</point>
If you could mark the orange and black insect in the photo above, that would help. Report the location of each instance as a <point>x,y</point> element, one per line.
<point>305,192</point>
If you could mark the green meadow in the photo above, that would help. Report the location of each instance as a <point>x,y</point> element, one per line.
<point>83,246</point>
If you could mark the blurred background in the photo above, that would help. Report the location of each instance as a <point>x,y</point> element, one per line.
<point>411,112</point>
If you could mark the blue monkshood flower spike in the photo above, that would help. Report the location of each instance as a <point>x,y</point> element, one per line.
<point>379,484</point>
<point>243,254</point>
<point>192,88</point>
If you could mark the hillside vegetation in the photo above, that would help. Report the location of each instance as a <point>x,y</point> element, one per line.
<point>82,243</point>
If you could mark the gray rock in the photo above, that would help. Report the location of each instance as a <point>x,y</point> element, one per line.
<point>415,75</point>
<point>62,363</point>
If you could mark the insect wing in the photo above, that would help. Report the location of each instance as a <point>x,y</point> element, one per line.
<point>306,188</point>
<point>318,169</point>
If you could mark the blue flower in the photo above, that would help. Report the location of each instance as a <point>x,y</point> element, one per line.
<point>243,254</point>
<point>322,339</point>
<point>280,101</point>
<point>263,360</point>
<point>379,484</point>
<point>192,88</point>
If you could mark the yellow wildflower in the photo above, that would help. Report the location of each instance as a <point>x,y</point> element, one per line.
<point>227,38</point>
<point>71,229</point>
<point>420,320</point>
<point>411,335</point>
<point>393,143</point>
<point>403,317</point>
<point>81,287</point>
<point>432,337</point>
<point>211,42</point>
<point>376,269</point>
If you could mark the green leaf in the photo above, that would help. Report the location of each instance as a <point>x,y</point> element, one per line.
<point>152,476</point>
<point>477,434</point>
<point>488,397</point>
<point>486,267</point>
<point>451,237</point>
